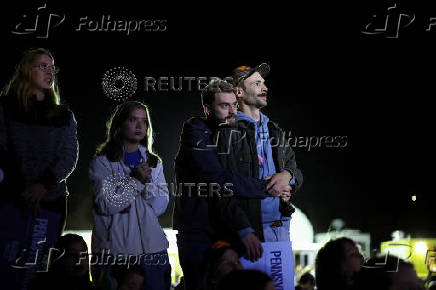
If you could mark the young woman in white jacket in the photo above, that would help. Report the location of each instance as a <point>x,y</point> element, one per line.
<point>130,193</point>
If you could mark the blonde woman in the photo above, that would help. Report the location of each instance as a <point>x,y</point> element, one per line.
<point>39,150</point>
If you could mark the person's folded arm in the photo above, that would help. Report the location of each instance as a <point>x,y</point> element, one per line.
<point>204,157</point>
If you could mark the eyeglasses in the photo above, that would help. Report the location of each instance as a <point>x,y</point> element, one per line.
<point>45,67</point>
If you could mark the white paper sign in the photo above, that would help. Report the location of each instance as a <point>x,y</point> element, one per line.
<point>278,262</point>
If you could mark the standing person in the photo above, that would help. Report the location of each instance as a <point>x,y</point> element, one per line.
<point>130,193</point>
<point>255,148</point>
<point>197,164</point>
<point>38,151</point>
<point>274,159</point>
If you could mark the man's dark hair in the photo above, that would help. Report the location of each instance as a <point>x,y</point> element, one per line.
<point>307,278</point>
<point>215,86</point>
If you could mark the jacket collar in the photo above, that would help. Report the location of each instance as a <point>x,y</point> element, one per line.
<point>243,120</point>
<point>142,150</point>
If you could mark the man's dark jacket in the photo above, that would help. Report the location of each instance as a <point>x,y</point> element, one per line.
<point>237,153</point>
<point>197,163</point>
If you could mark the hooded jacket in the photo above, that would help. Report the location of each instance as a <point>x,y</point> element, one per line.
<point>136,231</point>
<point>241,157</point>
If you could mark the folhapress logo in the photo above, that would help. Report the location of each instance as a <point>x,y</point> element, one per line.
<point>43,20</point>
<point>40,23</point>
<point>390,23</point>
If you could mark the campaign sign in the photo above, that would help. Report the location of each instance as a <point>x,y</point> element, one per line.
<point>278,262</point>
<point>24,243</point>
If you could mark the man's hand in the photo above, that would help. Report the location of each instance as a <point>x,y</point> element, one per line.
<point>278,183</point>
<point>286,193</point>
<point>286,196</point>
<point>143,172</point>
<point>254,247</point>
<point>32,196</point>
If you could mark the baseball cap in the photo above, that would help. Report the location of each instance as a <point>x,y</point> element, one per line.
<point>243,72</point>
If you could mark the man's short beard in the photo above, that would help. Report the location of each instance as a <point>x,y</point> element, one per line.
<point>260,105</point>
<point>220,122</point>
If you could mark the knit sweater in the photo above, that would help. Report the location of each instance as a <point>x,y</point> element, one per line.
<point>35,149</point>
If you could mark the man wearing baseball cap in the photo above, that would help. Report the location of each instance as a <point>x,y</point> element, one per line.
<point>275,159</point>
<point>256,148</point>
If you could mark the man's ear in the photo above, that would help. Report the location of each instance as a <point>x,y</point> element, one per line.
<point>207,110</point>
<point>239,92</point>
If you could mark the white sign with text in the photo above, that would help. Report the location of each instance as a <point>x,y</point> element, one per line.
<point>278,262</point>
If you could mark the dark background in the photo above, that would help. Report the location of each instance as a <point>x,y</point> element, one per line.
<point>327,79</point>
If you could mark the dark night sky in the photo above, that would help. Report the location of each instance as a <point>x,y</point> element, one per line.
<point>327,79</point>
